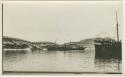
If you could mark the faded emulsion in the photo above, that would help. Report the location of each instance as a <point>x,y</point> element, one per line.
<point>62,37</point>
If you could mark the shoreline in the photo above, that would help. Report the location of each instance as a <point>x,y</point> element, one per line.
<point>16,49</point>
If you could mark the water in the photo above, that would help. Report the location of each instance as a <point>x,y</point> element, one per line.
<point>58,61</point>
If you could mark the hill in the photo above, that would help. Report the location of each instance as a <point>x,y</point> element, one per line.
<point>16,43</point>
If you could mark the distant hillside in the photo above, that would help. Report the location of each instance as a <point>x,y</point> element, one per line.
<point>6,38</point>
<point>89,42</point>
<point>15,43</point>
<point>83,43</point>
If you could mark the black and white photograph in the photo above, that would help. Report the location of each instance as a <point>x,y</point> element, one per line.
<point>62,37</point>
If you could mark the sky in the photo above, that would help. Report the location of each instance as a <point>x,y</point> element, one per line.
<point>61,21</point>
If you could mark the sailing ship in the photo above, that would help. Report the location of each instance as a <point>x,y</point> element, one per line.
<point>109,48</point>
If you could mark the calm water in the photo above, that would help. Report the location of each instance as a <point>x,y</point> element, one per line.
<point>58,61</point>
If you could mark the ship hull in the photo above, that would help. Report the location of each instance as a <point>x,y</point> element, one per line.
<point>64,48</point>
<point>108,51</point>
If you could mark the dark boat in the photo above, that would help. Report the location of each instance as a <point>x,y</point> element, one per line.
<point>108,48</point>
<point>65,47</point>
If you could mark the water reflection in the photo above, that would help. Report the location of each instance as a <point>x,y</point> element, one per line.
<point>58,61</point>
<point>14,55</point>
<point>108,65</point>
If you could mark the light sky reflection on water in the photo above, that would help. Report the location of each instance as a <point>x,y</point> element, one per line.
<point>58,61</point>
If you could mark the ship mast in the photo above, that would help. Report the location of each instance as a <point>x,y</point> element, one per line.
<point>117,27</point>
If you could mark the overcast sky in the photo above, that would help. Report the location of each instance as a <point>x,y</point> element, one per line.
<point>61,21</point>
